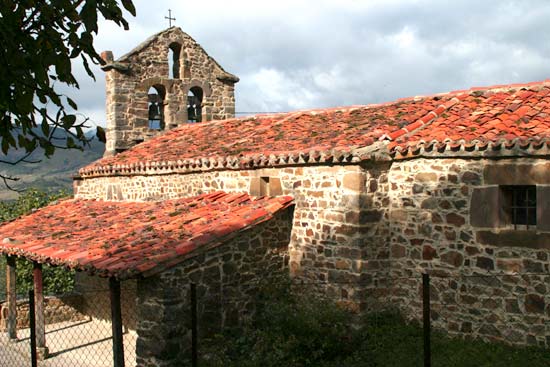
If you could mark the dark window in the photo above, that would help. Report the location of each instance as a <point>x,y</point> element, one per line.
<point>156,97</point>
<point>194,105</point>
<point>264,186</point>
<point>519,204</point>
<point>174,51</point>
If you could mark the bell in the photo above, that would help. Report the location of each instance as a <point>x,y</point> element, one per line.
<point>191,116</point>
<point>154,112</point>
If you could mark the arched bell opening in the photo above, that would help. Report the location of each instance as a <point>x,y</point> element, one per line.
<point>174,53</point>
<point>156,96</point>
<point>194,105</point>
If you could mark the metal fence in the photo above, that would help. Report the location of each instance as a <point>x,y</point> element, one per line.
<point>436,320</point>
<point>78,332</point>
<point>409,321</point>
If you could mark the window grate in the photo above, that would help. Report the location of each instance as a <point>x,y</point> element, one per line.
<point>520,205</point>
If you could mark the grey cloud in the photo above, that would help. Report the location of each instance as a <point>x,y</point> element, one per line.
<point>314,54</point>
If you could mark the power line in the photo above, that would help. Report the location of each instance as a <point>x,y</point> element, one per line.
<point>256,112</point>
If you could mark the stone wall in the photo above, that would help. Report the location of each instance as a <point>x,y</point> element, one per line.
<point>66,308</point>
<point>127,90</point>
<point>364,233</point>
<point>227,279</point>
<point>340,232</point>
<point>493,289</point>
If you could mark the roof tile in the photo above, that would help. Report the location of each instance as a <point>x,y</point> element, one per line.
<point>126,239</point>
<point>484,114</point>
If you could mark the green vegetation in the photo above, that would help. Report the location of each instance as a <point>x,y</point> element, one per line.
<point>41,39</point>
<point>303,330</point>
<point>56,280</point>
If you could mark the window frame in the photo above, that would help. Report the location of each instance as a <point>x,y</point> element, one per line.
<point>512,204</point>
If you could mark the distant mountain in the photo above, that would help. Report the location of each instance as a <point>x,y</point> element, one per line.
<point>49,174</point>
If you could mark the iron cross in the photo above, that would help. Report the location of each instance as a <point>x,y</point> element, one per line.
<point>169,17</point>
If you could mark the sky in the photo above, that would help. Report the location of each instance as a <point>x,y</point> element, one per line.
<point>304,54</point>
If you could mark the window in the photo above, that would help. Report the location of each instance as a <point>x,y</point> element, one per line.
<point>519,205</point>
<point>174,51</point>
<point>156,96</point>
<point>265,186</point>
<point>194,105</point>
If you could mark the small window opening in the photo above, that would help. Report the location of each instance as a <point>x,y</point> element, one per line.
<point>174,51</point>
<point>519,204</point>
<point>156,96</point>
<point>194,105</point>
<point>264,186</point>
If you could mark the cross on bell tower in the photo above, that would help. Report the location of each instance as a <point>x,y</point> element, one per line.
<point>169,17</point>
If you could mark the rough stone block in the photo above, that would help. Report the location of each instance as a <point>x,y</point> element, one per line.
<point>453,258</point>
<point>517,174</point>
<point>534,303</point>
<point>354,181</point>
<point>485,263</point>
<point>426,177</point>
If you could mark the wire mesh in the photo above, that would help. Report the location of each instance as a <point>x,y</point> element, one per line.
<point>315,322</point>
<point>503,313</point>
<point>372,320</point>
<point>15,352</point>
<point>78,331</point>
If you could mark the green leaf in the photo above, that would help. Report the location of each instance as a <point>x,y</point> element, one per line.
<point>128,5</point>
<point>70,143</point>
<point>68,121</point>
<point>39,57</point>
<point>100,134</point>
<point>72,103</point>
<point>45,128</point>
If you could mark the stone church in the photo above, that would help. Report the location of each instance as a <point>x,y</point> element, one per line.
<point>360,201</point>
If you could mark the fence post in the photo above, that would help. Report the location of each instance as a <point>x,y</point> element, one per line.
<point>41,347</point>
<point>11,297</point>
<point>194,358</point>
<point>426,319</point>
<point>116,322</point>
<point>32,325</point>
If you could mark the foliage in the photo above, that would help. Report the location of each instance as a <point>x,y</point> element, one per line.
<point>39,40</point>
<point>56,280</point>
<point>301,330</point>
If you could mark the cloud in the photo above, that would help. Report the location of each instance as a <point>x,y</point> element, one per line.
<point>312,54</point>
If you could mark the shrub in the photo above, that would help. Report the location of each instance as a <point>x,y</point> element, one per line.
<point>302,330</point>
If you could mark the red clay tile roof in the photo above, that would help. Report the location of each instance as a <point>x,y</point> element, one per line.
<point>281,139</point>
<point>127,239</point>
<point>490,118</point>
<point>496,118</point>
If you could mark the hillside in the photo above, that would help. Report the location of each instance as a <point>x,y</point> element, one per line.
<point>50,173</point>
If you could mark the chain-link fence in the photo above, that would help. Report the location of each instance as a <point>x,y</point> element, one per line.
<point>78,330</point>
<point>303,323</point>
<point>421,320</point>
<point>417,320</point>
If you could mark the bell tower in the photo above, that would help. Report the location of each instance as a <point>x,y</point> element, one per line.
<point>167,81</point>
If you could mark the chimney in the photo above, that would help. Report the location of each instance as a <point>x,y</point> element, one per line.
<point>107,56</point>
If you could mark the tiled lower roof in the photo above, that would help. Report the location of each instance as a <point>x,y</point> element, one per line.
<point>128,239</point>
<point>505,117</point>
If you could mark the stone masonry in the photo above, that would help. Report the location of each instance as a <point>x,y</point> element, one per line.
<point>367,232</point>
<point>340,231</point>
<point>56,309</point>
<point>490,283</point>
<point>129,79</point>
<point>227,279</point>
